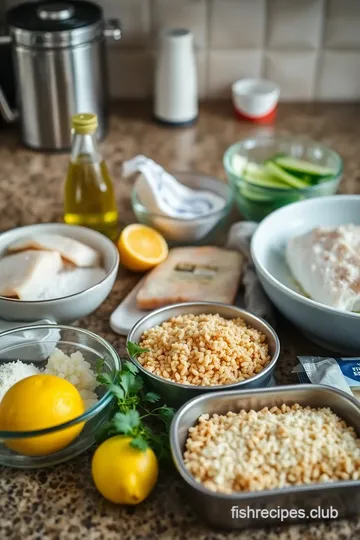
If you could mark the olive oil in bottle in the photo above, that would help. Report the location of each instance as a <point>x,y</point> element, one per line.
<point>89,192</point>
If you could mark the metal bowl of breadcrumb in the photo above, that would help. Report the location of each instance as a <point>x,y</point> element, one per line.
<point>199,347</point>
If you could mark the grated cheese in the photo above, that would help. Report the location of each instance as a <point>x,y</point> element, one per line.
<point>13,372</point>
<point>73,368</point>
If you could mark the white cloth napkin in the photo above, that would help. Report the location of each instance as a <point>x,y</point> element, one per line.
<point>162,194</point>
<point>30,346</point>
<point>256,301</point>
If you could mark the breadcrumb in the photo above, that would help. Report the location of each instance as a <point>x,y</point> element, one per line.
<point>204,350</point>
<point>271,448</point>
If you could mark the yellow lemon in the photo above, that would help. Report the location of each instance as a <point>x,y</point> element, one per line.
<point>38,402</point>
<point>123,474</point>
<point>141,247</point>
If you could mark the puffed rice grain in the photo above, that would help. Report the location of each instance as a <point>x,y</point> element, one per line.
<point>268,449</point>
<point>204,350</point>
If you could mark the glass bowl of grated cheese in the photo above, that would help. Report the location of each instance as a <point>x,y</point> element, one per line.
<point>72,354</point>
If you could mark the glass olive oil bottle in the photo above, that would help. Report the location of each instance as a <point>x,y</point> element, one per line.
<point>89,191</point>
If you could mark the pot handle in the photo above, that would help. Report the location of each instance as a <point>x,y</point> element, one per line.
<point>5,39</point>
<point>7,113</point>
<point>112,29</point>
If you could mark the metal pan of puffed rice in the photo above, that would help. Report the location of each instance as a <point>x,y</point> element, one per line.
<point>197,347</point>
<point>211,458</point>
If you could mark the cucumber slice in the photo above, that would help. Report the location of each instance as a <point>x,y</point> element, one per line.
<point>254,168</point>
<point>287,178</point>
<point>252,195</point>
<point>255,174</point>
<point>300,166</point>
<point>259,176</point>
<point>255,207</point>
<point>239,164</point>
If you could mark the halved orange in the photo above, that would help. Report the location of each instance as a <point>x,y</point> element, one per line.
<point>141,247</point>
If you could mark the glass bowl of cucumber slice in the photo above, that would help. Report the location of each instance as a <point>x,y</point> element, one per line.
<point>267,172</point>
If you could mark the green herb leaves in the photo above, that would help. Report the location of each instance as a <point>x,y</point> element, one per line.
<point>126,422</point>
<point>139,443</point>
<point>151,397</point>
<point>134,413</point>
<point>134,350</point>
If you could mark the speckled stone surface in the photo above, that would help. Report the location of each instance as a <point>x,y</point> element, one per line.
<point>62,503</point>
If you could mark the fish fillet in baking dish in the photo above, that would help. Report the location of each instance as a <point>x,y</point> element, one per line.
<point>71,250</point>
<point>326,263</point>
<point>25,275</point>
<point>192,274</point>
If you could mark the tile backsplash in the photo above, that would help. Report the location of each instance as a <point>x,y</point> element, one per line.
<point>311,48</point>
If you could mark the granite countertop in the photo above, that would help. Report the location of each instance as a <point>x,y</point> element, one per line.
<point>61,502</point>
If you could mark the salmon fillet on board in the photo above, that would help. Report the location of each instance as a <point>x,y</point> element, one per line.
<point>192,274</point>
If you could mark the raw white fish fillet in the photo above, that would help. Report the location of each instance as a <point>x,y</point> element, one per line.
<point>326,263</point>
<point>25,275</point>
<point>72,250</point>
<point>72,281</point>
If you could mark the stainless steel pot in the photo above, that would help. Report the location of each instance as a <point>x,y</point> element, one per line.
<point>60,68</point>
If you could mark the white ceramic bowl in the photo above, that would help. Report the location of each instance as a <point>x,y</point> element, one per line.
<point>337,330</point>
<point>179,231</point>
<point>255,98</point>
<point>68,308</point>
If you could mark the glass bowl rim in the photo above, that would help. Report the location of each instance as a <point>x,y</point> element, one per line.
<point>86,415</point>
<point>229,152</point>
<point>228,201</point>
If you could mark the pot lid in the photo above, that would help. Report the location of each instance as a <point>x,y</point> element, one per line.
<point>55,22</point>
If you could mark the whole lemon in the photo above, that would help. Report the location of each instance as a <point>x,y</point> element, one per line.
<point>123,474</point>
<point>38,402</point>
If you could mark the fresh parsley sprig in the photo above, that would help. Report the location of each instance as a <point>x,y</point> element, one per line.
<point>148,426</point>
